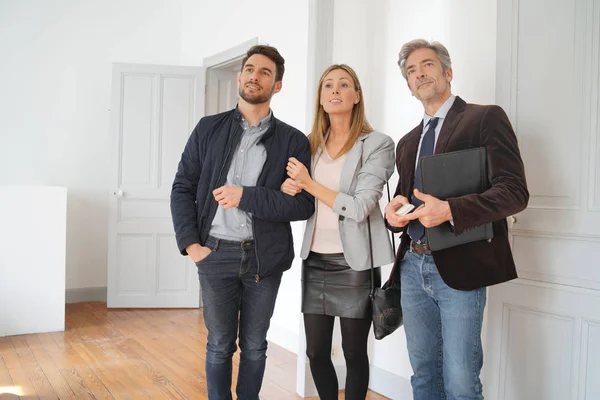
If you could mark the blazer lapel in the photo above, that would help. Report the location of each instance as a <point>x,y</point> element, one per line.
<point>409,158</point>
<point>452,119</point>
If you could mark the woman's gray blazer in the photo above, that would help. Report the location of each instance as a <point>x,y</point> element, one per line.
<point>369,165</point>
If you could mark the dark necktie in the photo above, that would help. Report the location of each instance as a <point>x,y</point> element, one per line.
<point>416,230</point>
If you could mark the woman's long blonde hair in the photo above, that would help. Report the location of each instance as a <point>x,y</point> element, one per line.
<point>358,126</point>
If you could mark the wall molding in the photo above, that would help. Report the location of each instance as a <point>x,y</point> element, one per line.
<point>532,270</point>
<point>283,337</point>
<point>556,286</point>
<point>555,235</point>
<point>584,364</point>
<point>593,51</point>
<point>507,89</point>
<point>510,307</point>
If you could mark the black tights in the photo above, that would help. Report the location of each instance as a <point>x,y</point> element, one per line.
<point>319,335</point>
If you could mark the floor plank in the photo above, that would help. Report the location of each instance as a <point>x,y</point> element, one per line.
<point>126,354</point>
<point>47,366</point>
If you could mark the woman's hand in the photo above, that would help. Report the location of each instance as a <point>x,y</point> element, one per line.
<point>298,172</point>
<point>290,187</point>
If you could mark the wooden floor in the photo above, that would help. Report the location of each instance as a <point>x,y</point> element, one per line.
<point>125,354</point>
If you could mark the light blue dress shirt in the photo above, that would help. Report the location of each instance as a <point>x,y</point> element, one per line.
<point>246,166</point>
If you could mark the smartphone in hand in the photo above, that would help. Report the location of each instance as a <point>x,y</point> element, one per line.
<point>405,209</point>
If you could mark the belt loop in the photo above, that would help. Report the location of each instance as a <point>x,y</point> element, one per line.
<point>212,243</point>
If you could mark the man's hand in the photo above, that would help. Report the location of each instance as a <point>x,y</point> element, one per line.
<point>197,253</point>
<point>228,196</point>
<point>390,212</point>
<point>433,212</point>
<point>291,187</point>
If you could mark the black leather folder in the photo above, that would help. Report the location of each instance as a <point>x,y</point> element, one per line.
<point>450,175</point>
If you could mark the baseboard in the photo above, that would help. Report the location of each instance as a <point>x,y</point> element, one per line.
<point>283,337</point>
<point>79,295</point>
<point>389,384</point>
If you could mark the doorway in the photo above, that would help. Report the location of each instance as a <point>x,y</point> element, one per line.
<point>222,71</point>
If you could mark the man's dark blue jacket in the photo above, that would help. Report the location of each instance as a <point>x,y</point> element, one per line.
<point>203,168</point>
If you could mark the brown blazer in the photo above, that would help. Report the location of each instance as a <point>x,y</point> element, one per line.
<point>478,264</point>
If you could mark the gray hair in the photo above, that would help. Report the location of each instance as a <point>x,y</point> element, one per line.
<point>440,50</point>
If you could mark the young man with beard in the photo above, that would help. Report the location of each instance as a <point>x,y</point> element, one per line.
<point>233,221</point>
<point>444,291</point>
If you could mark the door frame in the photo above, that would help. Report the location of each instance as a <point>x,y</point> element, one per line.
<point>222,60</point>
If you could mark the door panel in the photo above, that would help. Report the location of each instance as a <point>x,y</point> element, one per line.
<point>222,89</point>
<point>154,110</point>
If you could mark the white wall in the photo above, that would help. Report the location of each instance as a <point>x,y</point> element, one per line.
<point>32,267</point>
<point>55,76</point>
<point>368,38</point>
<point>210,28</point>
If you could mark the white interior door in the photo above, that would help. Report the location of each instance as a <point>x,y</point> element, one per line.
<point>154,109</point>
<point>543,338</point>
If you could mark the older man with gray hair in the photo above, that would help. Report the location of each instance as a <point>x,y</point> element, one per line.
<point>444,291</point>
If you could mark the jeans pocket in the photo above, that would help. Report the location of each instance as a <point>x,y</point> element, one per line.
<point>213,245</point>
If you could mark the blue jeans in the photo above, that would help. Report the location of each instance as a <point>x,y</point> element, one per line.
<point>230,292</point>
<point>443,332</point>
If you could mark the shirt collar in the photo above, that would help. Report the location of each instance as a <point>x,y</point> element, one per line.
<point>441,112</point>
<point>262,123</point>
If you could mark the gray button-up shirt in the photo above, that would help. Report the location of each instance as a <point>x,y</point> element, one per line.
<point>246,165</point>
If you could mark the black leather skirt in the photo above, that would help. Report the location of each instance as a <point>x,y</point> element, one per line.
<point>331,287</point>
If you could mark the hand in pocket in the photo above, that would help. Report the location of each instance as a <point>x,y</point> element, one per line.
<point>198,253</point>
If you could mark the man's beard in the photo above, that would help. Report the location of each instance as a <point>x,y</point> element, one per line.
<point>256,98</point>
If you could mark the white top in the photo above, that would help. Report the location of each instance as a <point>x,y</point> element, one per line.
<point>326,239</point>
<point>368,165</point>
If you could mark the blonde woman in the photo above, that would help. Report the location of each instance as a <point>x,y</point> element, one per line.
<point>350,165</point>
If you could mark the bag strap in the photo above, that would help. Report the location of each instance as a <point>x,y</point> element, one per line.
<point>387,184</point>
<point>395,268</point>
<point>372,293</point>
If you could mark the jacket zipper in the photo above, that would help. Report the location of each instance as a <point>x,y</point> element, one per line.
<point>262,171</point>
<point>229,146</point>
<point>218,183</point>
<point>257,276</point>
